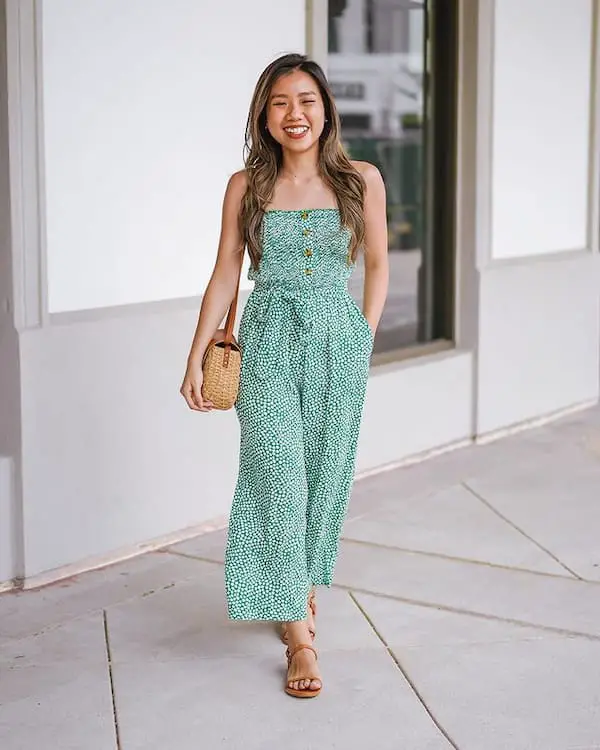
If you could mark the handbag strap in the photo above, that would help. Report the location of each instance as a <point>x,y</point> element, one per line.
<point>233,308</point>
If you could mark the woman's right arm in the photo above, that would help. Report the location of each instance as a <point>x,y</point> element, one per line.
<point>219,292</point>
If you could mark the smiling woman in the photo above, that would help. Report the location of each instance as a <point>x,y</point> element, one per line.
<point>304,210</point>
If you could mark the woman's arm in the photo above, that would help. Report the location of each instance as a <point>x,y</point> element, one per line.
<point>219,291</point>
<point>376,244</point>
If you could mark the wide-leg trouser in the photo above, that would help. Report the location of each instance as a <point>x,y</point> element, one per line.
<point>305,366</point>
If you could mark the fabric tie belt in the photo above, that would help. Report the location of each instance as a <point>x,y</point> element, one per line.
<point>287,314</point>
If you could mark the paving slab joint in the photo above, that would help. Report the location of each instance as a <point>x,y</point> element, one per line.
<point>468,560</point>
<point>520,530</point>
<point>404,673</point>
<point>199,558</point>
<point>111,681</point>
<point>469,613</point>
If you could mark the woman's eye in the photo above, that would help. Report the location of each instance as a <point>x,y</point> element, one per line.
<point>308,101</point>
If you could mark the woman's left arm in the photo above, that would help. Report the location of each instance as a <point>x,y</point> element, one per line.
<point>376,245</point>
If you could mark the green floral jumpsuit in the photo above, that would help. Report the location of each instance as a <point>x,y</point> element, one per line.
<point>306,348</point>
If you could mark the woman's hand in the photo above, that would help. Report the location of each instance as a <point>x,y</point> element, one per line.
<point>191,388</point>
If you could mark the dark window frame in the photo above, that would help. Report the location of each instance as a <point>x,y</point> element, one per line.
<point>436,297</point>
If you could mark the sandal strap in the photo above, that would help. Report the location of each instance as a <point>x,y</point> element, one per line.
<point>299,647</point>
<point>284,634</point>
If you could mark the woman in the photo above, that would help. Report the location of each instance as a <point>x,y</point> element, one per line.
<point>303,210</point>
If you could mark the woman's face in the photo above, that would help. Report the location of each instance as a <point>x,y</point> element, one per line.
<point>295,111</point>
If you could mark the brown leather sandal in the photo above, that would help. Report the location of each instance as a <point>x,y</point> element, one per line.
<point>307,692</point>
<point>312,604</point>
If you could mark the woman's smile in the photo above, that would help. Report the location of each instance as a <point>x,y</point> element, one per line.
<point>296,131</point>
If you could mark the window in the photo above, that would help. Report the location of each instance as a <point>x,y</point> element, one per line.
<point>401,115</point>
<point>353,123</point>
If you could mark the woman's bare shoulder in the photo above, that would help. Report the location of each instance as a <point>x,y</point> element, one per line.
<point>235,191</point>
<point>238,183</point>
<point>369,171</point>
<point>374,184</point>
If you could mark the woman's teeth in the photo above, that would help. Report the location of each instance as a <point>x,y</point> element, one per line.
<point>296,131</point>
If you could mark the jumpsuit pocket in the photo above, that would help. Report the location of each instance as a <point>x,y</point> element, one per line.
<point>248,331</point>
<point>247,321</point>
<point>362,320</point>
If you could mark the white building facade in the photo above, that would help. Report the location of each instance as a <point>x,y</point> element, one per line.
<point>120,124</point>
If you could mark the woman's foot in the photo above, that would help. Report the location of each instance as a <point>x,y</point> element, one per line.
<point>311,610</point>
<point>303,672</point>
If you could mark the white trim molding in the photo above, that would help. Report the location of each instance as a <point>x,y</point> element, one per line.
<point>316,31</point>
<point>594,152</point>
<point>26,172</point>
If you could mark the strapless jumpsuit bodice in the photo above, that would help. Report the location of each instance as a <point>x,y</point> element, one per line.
<point>304,248</point>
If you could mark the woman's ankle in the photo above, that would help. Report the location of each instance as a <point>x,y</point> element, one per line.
<point>298,632</point>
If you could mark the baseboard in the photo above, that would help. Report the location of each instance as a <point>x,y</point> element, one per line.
<point>11,585</point>
<point>528,424</point>
<point>125,553</point>
<point>414,458</point>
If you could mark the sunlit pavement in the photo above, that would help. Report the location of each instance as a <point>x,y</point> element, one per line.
<point>465,614</point>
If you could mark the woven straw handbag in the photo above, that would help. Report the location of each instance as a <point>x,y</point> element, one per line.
<point>222,362</point>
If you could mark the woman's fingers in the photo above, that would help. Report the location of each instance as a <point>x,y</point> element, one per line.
<point>188,394</point>
<point>202,404</point>
<point>205,401</point>
<point>191,390</point>
<point>192,393</point>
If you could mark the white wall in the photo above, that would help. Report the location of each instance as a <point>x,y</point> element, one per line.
<point>145,103</point>
<point>541,122</point>
<point>539,347</point>
<point>538,315</point>
<point>408,410</point>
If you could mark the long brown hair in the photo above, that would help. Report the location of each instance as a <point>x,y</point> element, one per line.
<point>264,156</point>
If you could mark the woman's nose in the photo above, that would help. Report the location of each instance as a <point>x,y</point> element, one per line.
<point>295,111</point>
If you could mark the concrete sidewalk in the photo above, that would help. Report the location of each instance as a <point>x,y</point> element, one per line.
<point>466,614</point>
